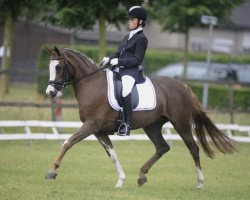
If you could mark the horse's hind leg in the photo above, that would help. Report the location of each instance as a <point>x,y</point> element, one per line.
<point>185,132</point>
<point>107,144</point>
<point>154,133</point>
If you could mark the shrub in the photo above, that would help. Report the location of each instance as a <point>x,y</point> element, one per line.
<point>219,96</point>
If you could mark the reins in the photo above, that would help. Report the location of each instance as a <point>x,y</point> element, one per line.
<point>86,76</point>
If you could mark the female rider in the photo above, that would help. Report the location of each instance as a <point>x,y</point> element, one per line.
<point>127,59</point>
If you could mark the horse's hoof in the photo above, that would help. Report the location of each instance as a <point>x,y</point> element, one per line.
<point>120,183</point>
<point>199,187</point>
<point>142,180</point>
<point>51,175</point>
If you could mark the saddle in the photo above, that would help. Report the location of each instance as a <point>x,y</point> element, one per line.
<point>143,93</point>
<point>134,93</point>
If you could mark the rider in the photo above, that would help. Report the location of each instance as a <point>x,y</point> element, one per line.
<point>127,59</point>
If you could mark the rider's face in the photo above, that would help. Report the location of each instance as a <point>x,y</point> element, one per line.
<point>132,23</point>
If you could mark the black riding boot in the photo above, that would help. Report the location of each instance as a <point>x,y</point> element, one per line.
<point>124,128</point>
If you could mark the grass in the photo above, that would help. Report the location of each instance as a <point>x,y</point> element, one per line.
<point>87,173</point>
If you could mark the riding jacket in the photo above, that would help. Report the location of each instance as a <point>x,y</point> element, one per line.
<point>130,54</point>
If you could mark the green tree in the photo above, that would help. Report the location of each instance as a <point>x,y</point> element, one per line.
<point>85,14</point>
<point>181,15</point>
<point>9,11</point>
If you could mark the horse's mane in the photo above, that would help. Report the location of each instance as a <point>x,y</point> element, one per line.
<point>85,60</point>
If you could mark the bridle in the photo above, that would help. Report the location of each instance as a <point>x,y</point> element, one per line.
<point>61,84</point>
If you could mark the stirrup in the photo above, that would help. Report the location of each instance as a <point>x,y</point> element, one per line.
<point>124,129</point>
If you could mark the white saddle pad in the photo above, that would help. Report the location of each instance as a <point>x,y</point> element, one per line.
<point>146,92</point>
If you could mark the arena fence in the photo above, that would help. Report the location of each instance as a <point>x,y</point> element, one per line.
<point>52,130</point>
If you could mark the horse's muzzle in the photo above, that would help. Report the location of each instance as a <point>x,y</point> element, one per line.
<point>53,92</point>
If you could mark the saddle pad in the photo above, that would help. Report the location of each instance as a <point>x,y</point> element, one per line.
<point>146,92</point>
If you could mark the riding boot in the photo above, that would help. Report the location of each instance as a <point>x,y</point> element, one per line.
<point>124,129</point>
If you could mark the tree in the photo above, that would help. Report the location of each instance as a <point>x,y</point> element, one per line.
<point>181,15</point>
<point>10,10</point>
<point>85,14</point>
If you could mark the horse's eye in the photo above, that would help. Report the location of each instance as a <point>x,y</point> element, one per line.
<point>58,69</point>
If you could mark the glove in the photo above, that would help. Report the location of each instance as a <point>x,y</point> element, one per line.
<point>114,61</point>
<point>105,61</point>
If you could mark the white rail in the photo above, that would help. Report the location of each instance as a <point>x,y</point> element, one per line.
<point>243,132</point>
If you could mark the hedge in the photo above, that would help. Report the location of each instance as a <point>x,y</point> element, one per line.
<point>219,96</point>
<point>154,60</point>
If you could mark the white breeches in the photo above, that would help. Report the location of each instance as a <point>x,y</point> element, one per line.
<point>127,85</point>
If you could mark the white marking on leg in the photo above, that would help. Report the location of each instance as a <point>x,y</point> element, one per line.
<point>118,167</point>
<point>65,142</point>
<point>200,178</point>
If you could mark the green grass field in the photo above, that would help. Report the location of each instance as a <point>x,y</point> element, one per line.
<point>87,173</point>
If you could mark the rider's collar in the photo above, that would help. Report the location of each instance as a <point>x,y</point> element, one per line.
<point>133,32</point>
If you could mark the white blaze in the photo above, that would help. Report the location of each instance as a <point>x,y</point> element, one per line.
<point>52,69</point>
<point>52,76</point>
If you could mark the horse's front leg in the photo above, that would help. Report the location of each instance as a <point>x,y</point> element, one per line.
<point>81,134</point>
<point>107,144</point>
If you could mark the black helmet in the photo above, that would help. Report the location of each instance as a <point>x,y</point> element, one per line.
<point>137,12</point>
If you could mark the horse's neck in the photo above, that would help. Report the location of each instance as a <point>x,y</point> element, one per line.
<point>90,86</point>
<point>81,63</point>
<point>86,67</point>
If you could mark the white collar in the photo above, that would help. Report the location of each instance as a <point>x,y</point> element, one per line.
<point>133,32</point>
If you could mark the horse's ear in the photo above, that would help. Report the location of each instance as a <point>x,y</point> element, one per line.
<point>57,51</point>
<point>48,50</point>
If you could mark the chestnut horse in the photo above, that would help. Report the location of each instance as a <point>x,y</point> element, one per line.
<point>176,103</point>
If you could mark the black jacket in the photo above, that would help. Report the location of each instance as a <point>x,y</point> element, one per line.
<point>130,54</point>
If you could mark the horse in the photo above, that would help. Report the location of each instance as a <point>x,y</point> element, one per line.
<point>175,103</point>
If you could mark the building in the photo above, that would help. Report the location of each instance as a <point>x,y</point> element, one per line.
<point>234,38</point>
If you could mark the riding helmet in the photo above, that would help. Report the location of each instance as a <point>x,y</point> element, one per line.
<point>137,12</point>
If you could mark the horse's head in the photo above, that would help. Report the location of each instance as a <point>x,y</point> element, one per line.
<point>58,70</point>
<point>67,67</point>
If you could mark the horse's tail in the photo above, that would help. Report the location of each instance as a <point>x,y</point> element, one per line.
<point>203,125</point>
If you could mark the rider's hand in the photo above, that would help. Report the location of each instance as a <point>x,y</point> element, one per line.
<point>114,61</point>
<point>105,61</point>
